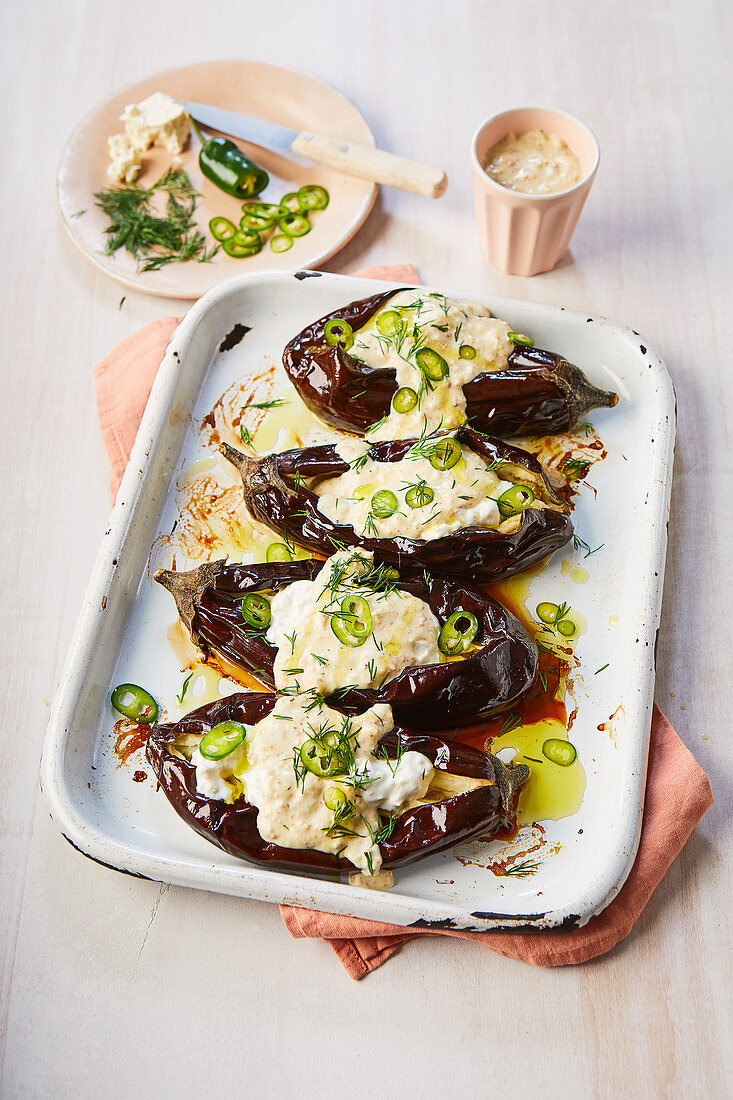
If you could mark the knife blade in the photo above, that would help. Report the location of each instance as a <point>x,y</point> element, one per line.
<point>267,134</point>
<point>346,156</point>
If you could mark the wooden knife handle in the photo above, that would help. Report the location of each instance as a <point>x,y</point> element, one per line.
<point>371,164</point>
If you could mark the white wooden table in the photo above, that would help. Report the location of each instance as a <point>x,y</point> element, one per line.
<point>108,986</point>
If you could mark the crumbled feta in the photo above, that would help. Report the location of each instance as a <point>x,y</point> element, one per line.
<point>124,165</point>
<point>157,120</point>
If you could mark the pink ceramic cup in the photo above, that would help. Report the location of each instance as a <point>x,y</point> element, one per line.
<point>526,234</point>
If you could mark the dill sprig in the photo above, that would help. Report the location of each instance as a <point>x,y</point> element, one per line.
<point>576,468</point>
<point>425,445</point>
<point>155,240</point>
<point>339,827</point>
<point>184,689</point>
<point>581,544</point>
<point>354,574</point>
<point>521,870</point>
<point>392,762</point>
<point>299,768</point>
<point>511,722</point>
<point>274,404</point>
<point>383,831</point>
<point>246,437</point>
<point>370,527</point>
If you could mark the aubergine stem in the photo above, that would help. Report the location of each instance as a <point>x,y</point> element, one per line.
<point>188,588</point>
<point>581,395</point>
<point>256,473</point>
<point>508,779</point>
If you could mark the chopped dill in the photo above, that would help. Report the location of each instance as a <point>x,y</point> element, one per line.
<point>521,870</point>
<point>581,544</point>
<point>184,688</point>
<point>155,240</point>
<point>338,827</point>
<point>246,437</point>
<point>510,722</point>
<point>274,404</point>
<point>384,832</point>
<point>575,469</point>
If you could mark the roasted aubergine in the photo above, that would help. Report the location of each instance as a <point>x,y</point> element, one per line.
<point>438,651</point>
<point>464,504</point>
<point>310,790</point>
<point>403,351</point>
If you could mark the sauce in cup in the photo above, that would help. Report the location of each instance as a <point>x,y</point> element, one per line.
<point>534,163</point>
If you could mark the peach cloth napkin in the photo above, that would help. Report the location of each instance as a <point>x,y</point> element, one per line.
<point>677,791</point>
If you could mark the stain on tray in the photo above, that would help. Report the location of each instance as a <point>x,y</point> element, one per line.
<point>234,337</point>
<point>300,275</point>
<point>520,858</point>
<point>129,737</point>
<point>611,726</point>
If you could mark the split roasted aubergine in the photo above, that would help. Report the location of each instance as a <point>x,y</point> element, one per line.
<point>523,526</point>
<point>484,660</point>
<point>467,792</point>
<point>348,365</point>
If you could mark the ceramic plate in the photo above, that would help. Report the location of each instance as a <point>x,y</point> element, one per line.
<point>229,338</point>
<point>253,88</point>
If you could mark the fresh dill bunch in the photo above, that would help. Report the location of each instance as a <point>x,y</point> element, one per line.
<point>155,240</point>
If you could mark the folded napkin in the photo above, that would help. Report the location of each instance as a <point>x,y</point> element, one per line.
<point>677,792</point>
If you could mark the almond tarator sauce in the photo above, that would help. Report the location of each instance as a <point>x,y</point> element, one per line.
<point>535,163</point>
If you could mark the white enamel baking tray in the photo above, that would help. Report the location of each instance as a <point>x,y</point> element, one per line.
<point>121,636</point>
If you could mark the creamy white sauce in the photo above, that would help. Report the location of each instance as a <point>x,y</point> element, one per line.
<point>217,778</point>
<point>464,496</point>
<point>445,326</point>
<point>393,785</point>
<point>404,631</point>
<point>292,813</point>
<point>535,163</point>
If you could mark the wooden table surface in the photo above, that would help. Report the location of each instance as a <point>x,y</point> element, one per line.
<point>115,987</point>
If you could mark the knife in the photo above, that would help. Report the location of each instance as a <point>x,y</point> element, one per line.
<point>343,155</point>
